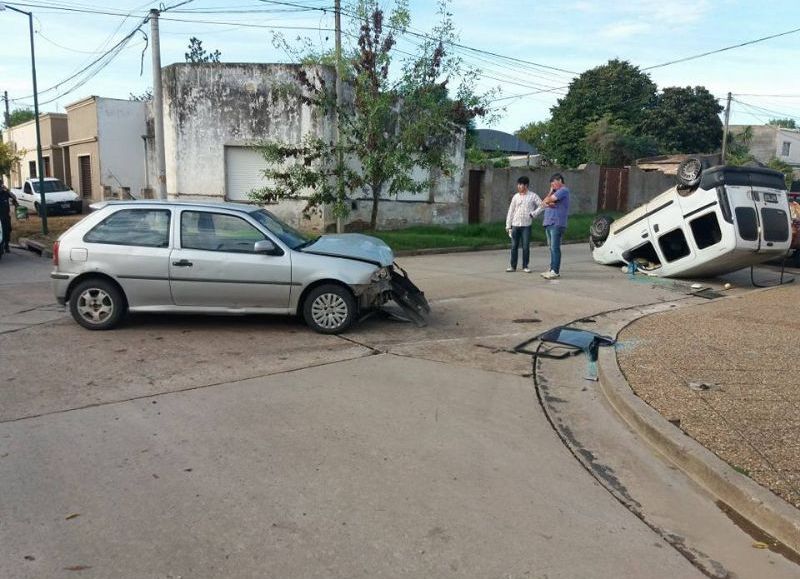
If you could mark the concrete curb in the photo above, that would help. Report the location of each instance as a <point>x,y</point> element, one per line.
<point>758,505</point>
<point>35,246</point>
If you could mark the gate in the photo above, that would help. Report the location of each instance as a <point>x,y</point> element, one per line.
<point>612,194</point>
<point>474,197</point>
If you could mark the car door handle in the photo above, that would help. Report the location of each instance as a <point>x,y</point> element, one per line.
<point>182,263</point>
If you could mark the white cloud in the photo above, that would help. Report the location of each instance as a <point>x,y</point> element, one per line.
<point>624,30</point>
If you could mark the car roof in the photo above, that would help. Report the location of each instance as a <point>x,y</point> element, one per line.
<point>175,203</point>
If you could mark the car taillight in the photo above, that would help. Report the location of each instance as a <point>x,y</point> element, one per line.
<point>55,254</point>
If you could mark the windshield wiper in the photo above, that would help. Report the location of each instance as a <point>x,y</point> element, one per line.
<point>306,243</point>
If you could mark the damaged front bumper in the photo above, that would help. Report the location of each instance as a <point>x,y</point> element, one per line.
<point>397,287</point>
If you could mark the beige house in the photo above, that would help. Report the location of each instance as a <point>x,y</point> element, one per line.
<point>106,148</point>
<point>53,127</point>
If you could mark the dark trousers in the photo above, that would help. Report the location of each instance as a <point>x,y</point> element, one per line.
<point>5,221</point>
<point>520,236</point>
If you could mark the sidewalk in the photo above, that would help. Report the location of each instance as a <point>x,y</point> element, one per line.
<point>727,374</point>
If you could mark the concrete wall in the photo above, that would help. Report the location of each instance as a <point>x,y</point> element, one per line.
<point>83,141</point>
<point>499,185</point>
<point>121,124</point>
<point>210,106</point>
<point>645,185</point>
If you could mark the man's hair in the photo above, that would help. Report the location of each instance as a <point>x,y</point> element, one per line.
<point>558,176</point>
<point>523,181</point>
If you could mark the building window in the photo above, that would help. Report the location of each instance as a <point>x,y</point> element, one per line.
<point>32,169</point>
<point>785,148</point>
<point>47,172</point>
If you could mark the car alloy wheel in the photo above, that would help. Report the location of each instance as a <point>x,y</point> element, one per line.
<point>329,309</point>
<point>97,304</point>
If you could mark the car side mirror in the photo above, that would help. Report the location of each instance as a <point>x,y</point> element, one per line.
<point>266,247</point>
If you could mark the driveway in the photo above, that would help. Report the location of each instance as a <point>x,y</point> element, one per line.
<point>251,447</point>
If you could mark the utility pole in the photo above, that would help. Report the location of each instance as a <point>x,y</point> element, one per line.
<point>158,110</point>
<point>725,132</point>
<point>8,114</point>
<point>339,153</point>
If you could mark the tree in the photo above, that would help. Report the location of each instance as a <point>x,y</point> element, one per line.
<point>783,167</point>
<point>19,116</point>
<point>783,123</point>
<point>609,142</point>
<point>738,149</point>
<point>198,54</point>
<point>618,89</point>
<point>684,120</point>
<point>390,127</point>
<point>537,134</point>
<point>145,96</point>
<point>8,158</point>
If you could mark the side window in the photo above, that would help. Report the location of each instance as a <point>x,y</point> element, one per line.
<point>143,227</point>
<point>706,231</point>
<point>217,232</point>
<point>28,188</point>
<point>673,245</point>
<point>776,224</point>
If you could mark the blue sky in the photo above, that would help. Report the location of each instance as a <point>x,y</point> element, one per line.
<point>571,36</point>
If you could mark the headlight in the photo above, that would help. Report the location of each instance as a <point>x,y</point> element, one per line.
<point>381,274</point>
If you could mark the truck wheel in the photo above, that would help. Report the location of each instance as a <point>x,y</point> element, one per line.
<point>97,304</point>
<point>599,230</point>
<point>689,172</point>
<point>329,309</point>
<point>37,209</point>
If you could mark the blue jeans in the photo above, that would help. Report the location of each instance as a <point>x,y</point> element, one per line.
<point>554,235</point>
<point>520,236</point>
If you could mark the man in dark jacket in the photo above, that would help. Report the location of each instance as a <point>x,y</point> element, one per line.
<point>7,199</point>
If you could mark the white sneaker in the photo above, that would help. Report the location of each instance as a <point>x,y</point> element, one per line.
<point>526,270</point>
<point>510,269</point>
<point>551,275</point>
<point>544,274</point>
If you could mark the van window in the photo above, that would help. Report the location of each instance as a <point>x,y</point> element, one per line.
<point>673,245</point>
<point>747,223</point>
<point>776,224</point>
<point>644,256</point>
<point>141,227</point>
<point>706,230</point>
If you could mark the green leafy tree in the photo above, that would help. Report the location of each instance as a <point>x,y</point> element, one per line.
<point>391,125</point>
<point>610,142</point>
<point>19,116</point>
<point>783,167</point>
<point>198,54</point>
<point>8,158</point>
<point>537,134</point>
<point>684,120</point>
<point>145,96</point>
<point>738,147</point>
<point>617,88</point>
<point>783,123</point>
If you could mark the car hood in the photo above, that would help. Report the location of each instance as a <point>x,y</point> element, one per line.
<point>353,246</point>
<point>59,196</point>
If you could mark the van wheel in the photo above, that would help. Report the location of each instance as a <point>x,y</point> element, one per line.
<point>37,209</point>
<point>329,309</point>
<point>689,172</point>
<point>599,230</point>
<point>97,304</point>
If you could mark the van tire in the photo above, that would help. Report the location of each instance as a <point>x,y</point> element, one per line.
<point>599,230</point>
<point>689,172</point>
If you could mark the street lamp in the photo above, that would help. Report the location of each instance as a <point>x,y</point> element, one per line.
<point>39,162</point>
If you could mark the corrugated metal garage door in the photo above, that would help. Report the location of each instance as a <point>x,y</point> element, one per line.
<point>243,172</point>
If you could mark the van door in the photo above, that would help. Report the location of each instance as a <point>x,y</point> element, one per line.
<point>666,225</point>
<point>744,210</point>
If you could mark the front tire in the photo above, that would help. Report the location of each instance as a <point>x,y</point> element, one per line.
<point>689,172</point>
<point>97,304</point>
<point>329,309</point>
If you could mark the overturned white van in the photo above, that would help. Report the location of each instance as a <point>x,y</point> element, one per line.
<point>716,220</point>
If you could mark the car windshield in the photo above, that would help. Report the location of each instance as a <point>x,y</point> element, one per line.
<point>286,233</point>
<point>50,186</point>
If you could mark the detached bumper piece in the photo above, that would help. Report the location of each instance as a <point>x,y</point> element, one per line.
<point>409,297</point>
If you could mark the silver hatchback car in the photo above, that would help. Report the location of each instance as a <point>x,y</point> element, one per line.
<point>221,258</point>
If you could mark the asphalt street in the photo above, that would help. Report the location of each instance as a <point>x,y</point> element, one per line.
<point>189,446</point>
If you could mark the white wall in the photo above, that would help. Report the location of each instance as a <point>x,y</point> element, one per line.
<point>793,138</point>
<point>120,126</point>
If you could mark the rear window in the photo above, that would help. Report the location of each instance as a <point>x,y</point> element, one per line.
<point>776,224</point>
<point>747,223</point>
<point>141,227</point>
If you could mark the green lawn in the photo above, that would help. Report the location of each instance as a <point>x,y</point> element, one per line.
<point>479,235</point>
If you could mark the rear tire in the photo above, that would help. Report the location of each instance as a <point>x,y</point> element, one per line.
<point>599,230</point>
<point>689,172</point>
<point>329,309</point>
<point>97,304</point>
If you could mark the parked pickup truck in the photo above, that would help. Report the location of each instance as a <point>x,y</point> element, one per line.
<point>59,197</point>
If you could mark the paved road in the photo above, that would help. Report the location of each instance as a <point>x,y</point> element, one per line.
<point>251,447</point>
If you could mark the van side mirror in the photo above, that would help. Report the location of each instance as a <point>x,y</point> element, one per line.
<point>266,247</point>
